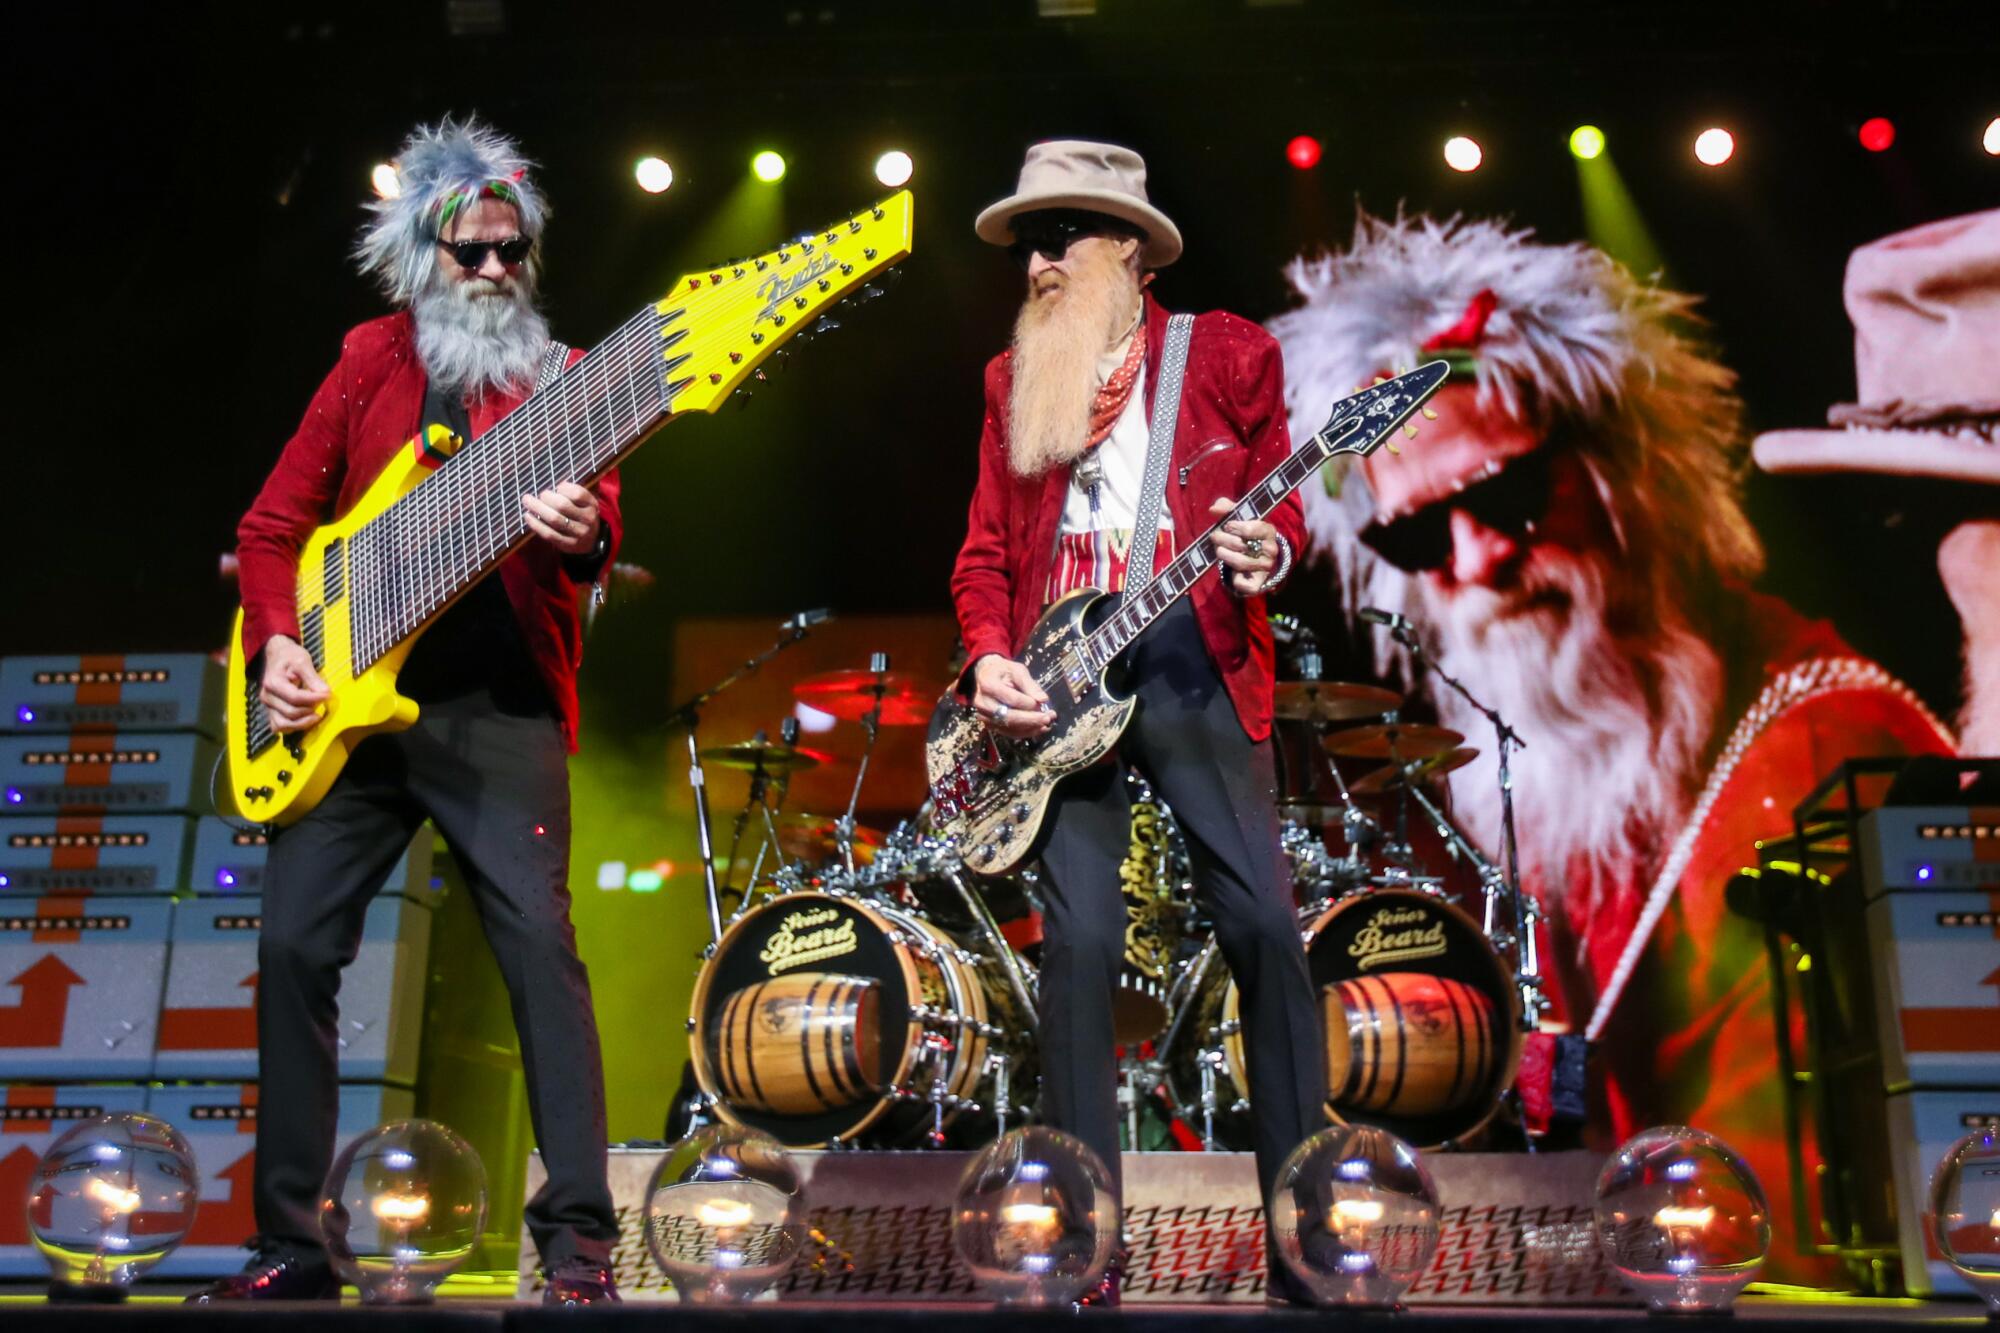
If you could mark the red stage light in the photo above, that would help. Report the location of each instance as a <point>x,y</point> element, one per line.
<point>1877,133</point>
<point>1303,152</point>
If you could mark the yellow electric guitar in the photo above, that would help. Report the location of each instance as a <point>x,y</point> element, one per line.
<point>438,519</point>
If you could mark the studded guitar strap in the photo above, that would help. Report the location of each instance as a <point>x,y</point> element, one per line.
<point>1159,452</point>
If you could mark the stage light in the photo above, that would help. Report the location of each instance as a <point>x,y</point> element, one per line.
<point>385,180</point>
<point>1713,147</point>
<point>1877,133</point>
<point>894,168</point>
<point>768,167</point>
<point>1990,141</point>
<point>1303,152</point>
<point>1586,141</point>
<point>653,174</point>
<point>1463,154</point>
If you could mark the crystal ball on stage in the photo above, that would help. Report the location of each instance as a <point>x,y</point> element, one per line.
<point>404,1205</point>
<point>1965,1212</point>
<point>1355,1215</point>
<point>725,1214</point>
<point>1682,1219</point>
<point>1035,1218</point>
<point>109,1200</point>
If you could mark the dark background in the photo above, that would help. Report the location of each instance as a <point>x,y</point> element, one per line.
<point>190,177</point>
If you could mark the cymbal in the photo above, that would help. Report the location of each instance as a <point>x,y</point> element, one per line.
<point>1391,776</point>
<point>907,701</point>
<point>1331,700</point>
<point>814,838</point>
<point>1402,741</point>
<point>771,756</point>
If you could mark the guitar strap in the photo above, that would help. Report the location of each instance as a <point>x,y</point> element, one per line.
<point>1159,453</point>
<point>555,360</point>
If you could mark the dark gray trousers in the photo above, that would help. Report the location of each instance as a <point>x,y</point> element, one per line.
<point>497,787</point>
<point>1187,742</point>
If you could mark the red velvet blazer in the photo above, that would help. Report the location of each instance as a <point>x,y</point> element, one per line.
<point>365,412</point>
<point>1231,432</point>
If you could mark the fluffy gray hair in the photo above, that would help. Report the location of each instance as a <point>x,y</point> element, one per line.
<point>441,169</point>
<point>1574,341</point>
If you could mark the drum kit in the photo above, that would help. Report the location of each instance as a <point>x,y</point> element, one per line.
<point>866,990</point>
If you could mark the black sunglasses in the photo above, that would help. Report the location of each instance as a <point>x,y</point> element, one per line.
<point>1051,233</point>
<point>1512,500</point>
<point>472,254</point>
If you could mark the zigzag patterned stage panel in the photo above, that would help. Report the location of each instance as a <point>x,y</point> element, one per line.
<point>1516,1230</point>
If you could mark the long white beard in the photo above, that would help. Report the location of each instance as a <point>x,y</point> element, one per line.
<point>478,337</point>
<point>1615,723</point>
<point>1057,343</point>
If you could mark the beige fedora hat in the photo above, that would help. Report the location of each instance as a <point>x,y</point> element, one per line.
<point>1926,310</point>
<point>1096,177</point>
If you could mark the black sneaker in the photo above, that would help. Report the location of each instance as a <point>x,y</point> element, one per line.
<point>579,1282</point>
<point>274,1273</point>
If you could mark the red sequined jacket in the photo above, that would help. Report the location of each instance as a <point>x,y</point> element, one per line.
<point>365,412</point>
<point>1231,432</point>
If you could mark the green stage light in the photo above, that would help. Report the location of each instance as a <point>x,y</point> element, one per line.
<point>644,881</point>
<point>1586,141</point>
<point>768,167</point>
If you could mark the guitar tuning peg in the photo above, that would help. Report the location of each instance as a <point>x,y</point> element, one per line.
<point>1429,415</point>
<point>1410,429</point>
<point>1393,449</point>
<point>827,324</point>
<point>870,291</point>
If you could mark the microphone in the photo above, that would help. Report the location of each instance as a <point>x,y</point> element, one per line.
<point>1377,616</point>
<point>807,619</point>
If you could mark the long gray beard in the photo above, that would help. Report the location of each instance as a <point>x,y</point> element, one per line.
<point>1056,348</point>
<point>1615,725</point>
<point>476,338</point>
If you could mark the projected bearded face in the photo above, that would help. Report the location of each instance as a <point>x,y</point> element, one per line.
<point>1520,578</point>
<point>1491,523</point>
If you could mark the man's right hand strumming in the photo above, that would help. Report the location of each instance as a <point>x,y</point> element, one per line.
<point>1005,694</point>
<point>292,691</point>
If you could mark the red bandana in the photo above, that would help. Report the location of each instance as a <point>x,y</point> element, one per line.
<point>1117,391</point>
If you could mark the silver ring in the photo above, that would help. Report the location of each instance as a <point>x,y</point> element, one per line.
<point>1254,545</point>
<point>999,712</point>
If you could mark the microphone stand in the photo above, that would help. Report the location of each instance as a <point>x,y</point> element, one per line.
<point>688,715</point>
<point>1506,740</point>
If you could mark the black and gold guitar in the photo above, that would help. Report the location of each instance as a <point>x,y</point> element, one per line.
<point>438,519</point>
<point>990,793</point>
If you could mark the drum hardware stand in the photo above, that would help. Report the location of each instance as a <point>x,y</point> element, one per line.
<point>1001,1068</point>
<point>871,723</point>
<point>1139,1078</point>
<point>1527,964</point>
<point>1010,962</point>
<point>688,715</point>
<point>1209,1060</point>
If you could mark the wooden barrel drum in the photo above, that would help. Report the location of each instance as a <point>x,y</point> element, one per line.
<point>799,1044</point>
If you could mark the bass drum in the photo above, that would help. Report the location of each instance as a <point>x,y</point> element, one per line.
<point>1421,1017</point>
<point>821,1019</point>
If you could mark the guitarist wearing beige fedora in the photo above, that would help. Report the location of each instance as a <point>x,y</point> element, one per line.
<point>1089,474</point>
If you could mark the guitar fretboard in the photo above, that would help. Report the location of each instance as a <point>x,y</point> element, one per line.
<point>1137,611</point>
<point>413,558</point>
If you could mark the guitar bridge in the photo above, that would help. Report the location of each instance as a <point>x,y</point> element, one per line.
<point>1077,675</point>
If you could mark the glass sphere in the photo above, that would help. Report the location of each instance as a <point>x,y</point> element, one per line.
<point>1355,1216</point>
<point>1036,1218</point>
<point>1682,1218</point>
<point>725,1213</point>
<point>111,1198</point>
<point>1965,1212</point>
<point>404,1206</point>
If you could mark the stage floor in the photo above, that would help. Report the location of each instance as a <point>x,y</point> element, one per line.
<point>20,1309</point>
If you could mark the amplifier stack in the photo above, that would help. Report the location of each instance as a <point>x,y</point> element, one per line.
<point>129,914</point>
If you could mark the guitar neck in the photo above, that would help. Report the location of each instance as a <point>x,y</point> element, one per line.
<point>415,557</point>
<point>1138,610</point>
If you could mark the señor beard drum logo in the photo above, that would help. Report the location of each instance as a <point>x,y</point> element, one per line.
<point>808,937</point>
<point>1397,935</point>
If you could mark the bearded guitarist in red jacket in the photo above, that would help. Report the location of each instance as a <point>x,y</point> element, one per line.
<point>486,761</point>
<point>1062,491</point>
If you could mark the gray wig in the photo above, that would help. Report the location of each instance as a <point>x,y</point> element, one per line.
<point>1573,341</point>
<point>442,169</point>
